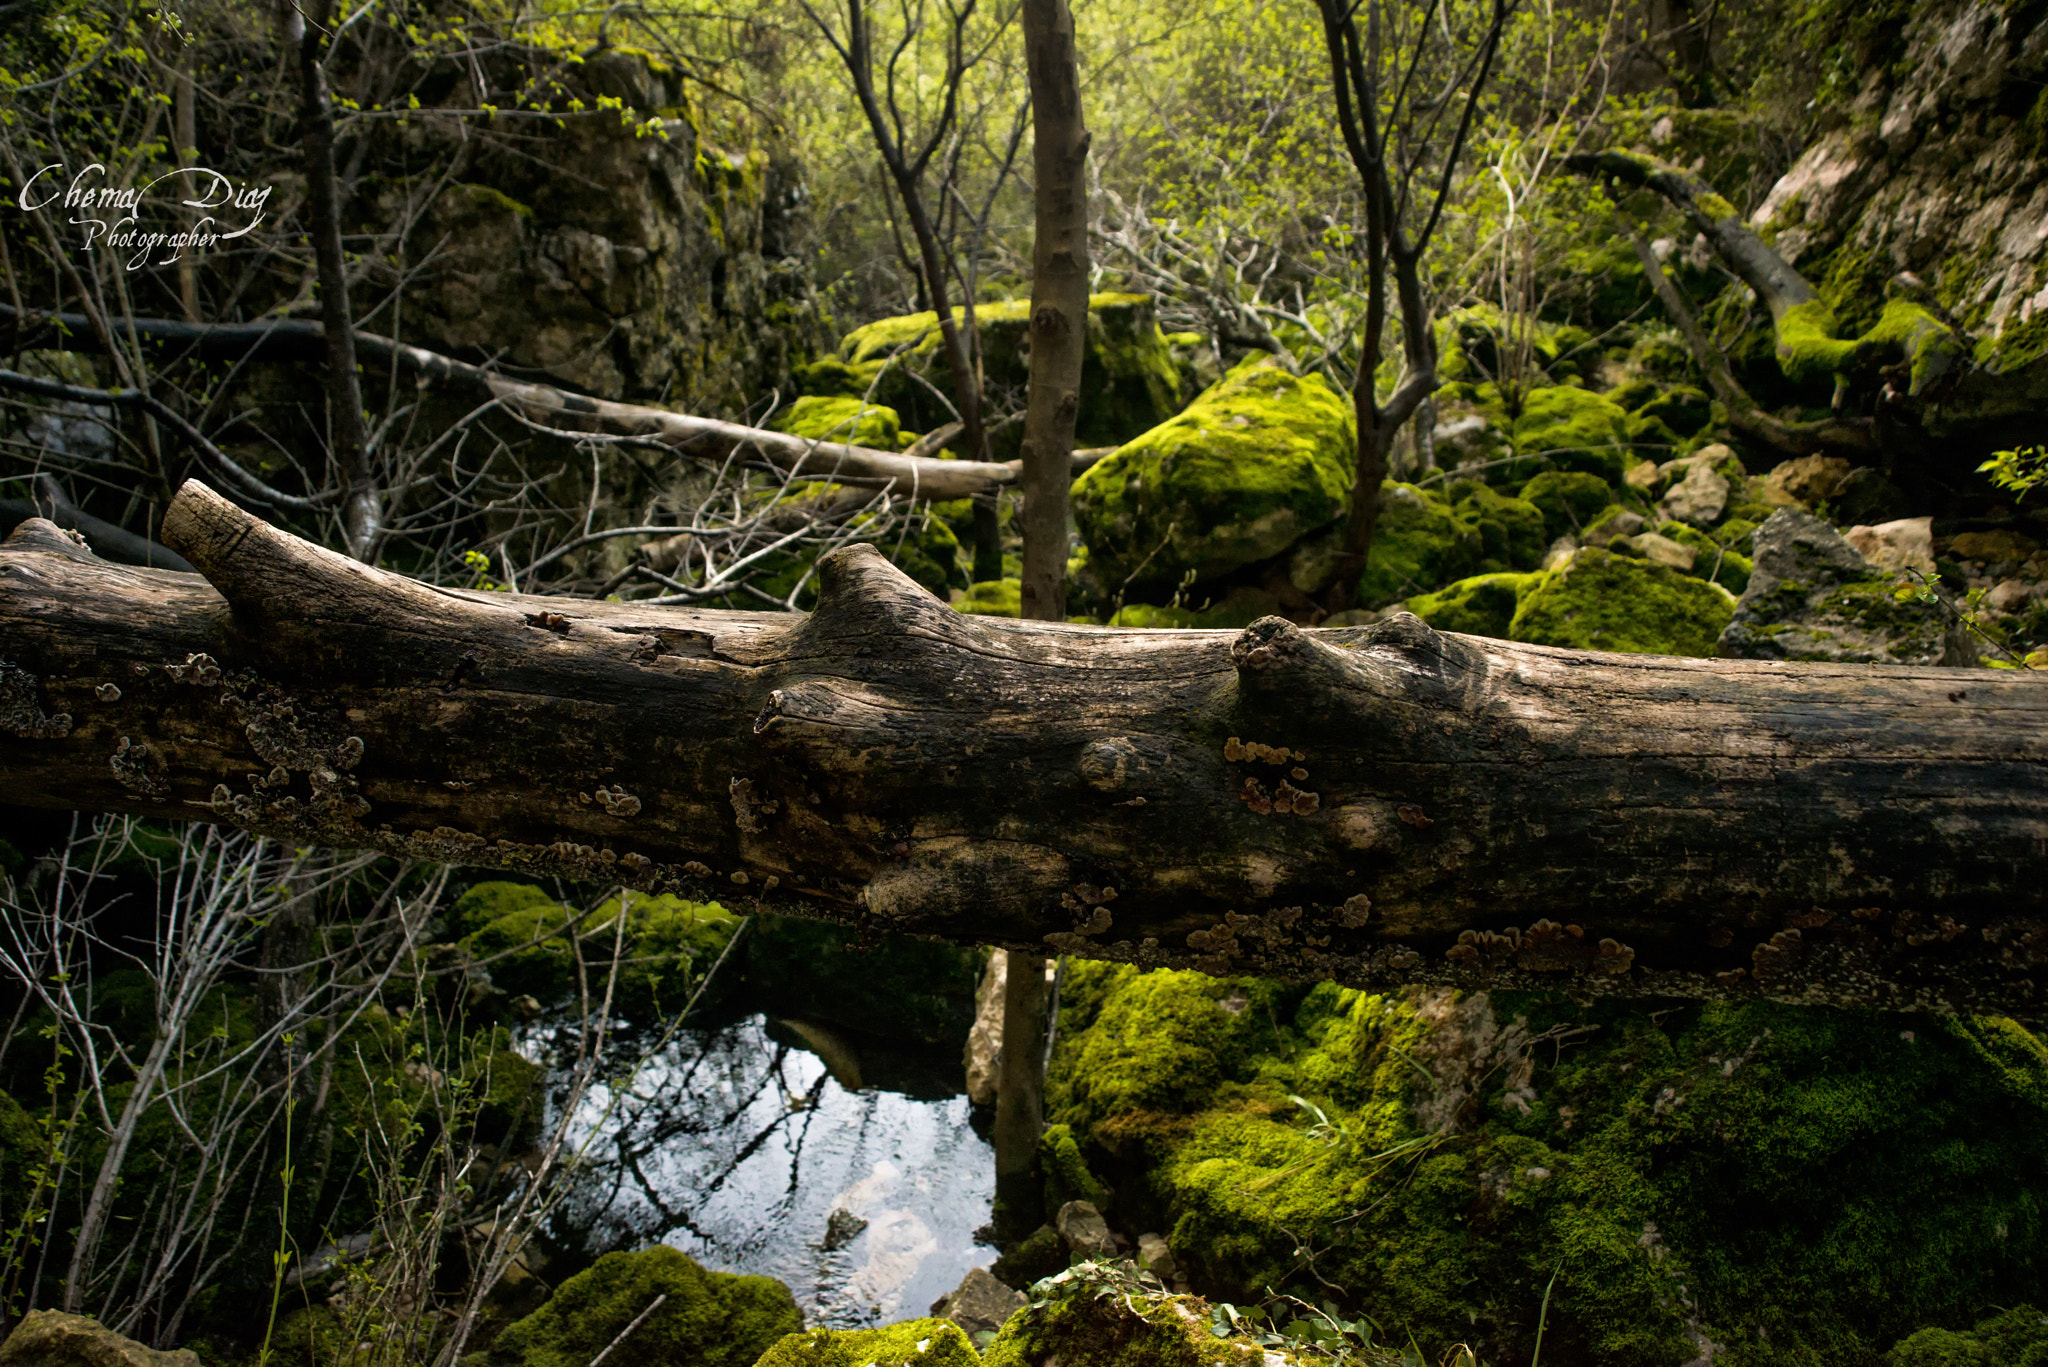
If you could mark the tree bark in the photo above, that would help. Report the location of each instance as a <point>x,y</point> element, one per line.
<point>1059,338</point>
<point>1376,805</point>
<point>361,510</point>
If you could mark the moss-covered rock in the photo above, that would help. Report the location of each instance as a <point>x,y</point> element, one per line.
<point>1259,459</point>
<point>2016,1338</point>
<point>1483,605</point>
<point>1801,1186</point>
<point>522,931</point>
<point>1810,596</point>
<point>1682,408</point>
<point>1130,381</point>
<point>1512,531</point>
<point>912,1343</point>
<point>1110,1315</point>
<point>1602,601</point>
<point>1717,560</point>
<point>842,418</point>
<point>1574,429</point>
<point>1067,1177</point>
<point>1419,542</point>
<point>709,1319</point>
<point>1569,500</point>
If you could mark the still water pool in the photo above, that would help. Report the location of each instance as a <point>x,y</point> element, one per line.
<point>859,1184</point>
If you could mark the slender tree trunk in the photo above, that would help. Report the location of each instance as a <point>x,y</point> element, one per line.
<point>185,130</point>
<point>361,511</point>
<point>1375,806</point>
<point>1059,337</point>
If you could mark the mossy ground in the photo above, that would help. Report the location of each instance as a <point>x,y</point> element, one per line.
<point>1802,1186</point>
<point>838,417</point>
<point>1483,605</point>
<point>709,1319</point>
<point>1254,463</point>
<point>913,1343</point>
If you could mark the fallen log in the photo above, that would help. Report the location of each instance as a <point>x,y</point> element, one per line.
<point>1376,805</point>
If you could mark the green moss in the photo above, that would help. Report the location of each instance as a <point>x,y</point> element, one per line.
<point>1804,1186</point>
<point>1574,429</point>
<point>1602,601</point>
<point>1066,1173</point>
<point>1480,606</point>
<point>709,1319</point>
<point>2017,345</point>
<point>1418,543</point>
<point>1913,329</point>
<point>912,1343</point>
<point>1569,500</point>
<point>666,937</point>
<point>1682,408</point>
<point>821,418</point>
<point>1807,347</point>
<point>487,201</point>
<point>1161,1045</point>
<point>1718,561</point>
<point>1512,534</point>
<point>994,598</point>
<point>1257,461</point>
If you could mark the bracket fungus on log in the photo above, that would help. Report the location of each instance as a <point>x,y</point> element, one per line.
<point>1457,810</point>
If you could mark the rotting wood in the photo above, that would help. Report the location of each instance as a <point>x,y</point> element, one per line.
<point>1376,805</point>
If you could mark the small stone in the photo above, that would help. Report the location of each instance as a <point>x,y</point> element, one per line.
<point>1907,544</point>
<point>1808,479</point>
<point>1084,1231</point>
<point>1662,550</point>
<point>979,1302</point>
<point>1155,1257</point>
<point>1700,498</point>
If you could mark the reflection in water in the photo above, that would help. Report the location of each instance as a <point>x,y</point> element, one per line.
<point>750,1156</point>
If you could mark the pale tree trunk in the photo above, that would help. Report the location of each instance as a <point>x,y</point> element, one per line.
<point>1375,806</point>
<point>1059,337</point>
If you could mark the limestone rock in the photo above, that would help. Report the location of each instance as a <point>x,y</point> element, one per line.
<point>979,1303</point>
<point>1907,544</point>
<point>1084,1231</point>
<point>1808,479</point>
<point>1660,550</point>
<point>51,1338</point>
<point>1155,1257</point>
<point>1812,597</point>
<point>985,1038</point>
<point>1700,498</point>
<point>1618,523</point>
<point>1257,461</point>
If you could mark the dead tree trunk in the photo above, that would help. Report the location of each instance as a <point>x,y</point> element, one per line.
<point>1375,805</point>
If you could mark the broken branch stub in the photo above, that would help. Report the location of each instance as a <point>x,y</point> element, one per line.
<point>1376,806</point>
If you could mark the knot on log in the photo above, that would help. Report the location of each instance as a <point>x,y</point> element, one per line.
<point>859,589</point>
<point>1405,631</point>
<point>1268,644</point>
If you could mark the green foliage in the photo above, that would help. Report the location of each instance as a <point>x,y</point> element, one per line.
<point>1254,463</point>
<point>2016,1338</point>
<point>1603,601</point>
<point>2019,469</point>
<point>709,1319</point>
<point>994,598</point>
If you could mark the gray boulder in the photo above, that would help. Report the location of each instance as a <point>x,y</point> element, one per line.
<point>979,1303</point>
<point>50,1338</point>
<point>1084,1231</point>
<point>1812,597</point>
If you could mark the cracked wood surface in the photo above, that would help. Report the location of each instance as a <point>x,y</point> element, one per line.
<point>1375,805</point>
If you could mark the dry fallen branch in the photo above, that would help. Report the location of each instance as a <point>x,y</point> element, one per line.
<point>1371,805</point>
